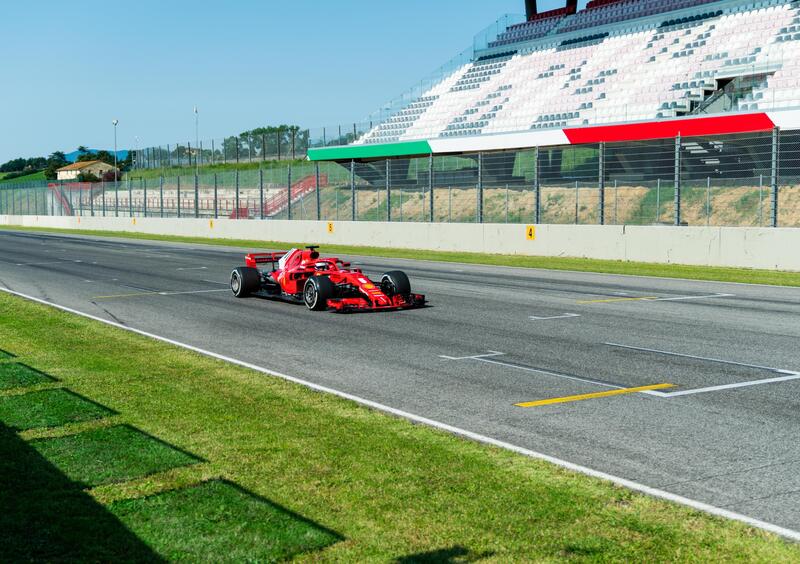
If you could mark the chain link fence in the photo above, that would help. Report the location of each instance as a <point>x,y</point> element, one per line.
<point>734,180</point>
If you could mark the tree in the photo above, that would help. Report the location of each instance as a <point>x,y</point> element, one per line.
<point>87,177</point>
<point>54,162</point>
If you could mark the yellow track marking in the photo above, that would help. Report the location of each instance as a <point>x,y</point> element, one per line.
<point>595,395</point>
<point>612,300</point>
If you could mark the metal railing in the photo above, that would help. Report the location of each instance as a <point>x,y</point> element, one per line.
<point>735,180</point>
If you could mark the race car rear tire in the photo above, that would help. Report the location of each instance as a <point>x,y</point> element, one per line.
<point>245,281</point>
<point>317,291</point>
<point>395,283</point>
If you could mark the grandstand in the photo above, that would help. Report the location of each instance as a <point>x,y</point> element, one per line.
<point>615,61</point>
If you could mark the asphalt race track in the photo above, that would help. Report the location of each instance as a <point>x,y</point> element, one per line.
<point>726,433</point>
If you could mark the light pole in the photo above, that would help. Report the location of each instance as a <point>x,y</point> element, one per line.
<point>115,122</point>
<point>196,140</point>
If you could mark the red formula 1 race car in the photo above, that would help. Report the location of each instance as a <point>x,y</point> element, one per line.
<point>321,283</point>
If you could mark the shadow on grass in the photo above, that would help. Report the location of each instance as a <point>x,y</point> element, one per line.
<point>19,375</point>
<point>49,408</point>
<point>454,555</point>
<point>236,525</point>
<point>112,455</point>
<point>4,354</point>
<point>45,516</point>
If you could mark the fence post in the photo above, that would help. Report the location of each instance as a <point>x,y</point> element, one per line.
<point>761,200</point>
<point>319,198</point>
<point>506,203</point>
<point>263,147</point>
<point>143,182</point>
<point>261,193</point>
<point>708,201</point>
<point>130,198</point>
<point>430,187</point>
<point>576,203</point>
<point>178,201</point>
<point>294,134</point>
<point>658,200</point>
<point>677,181</point>
<point>216,201</point>
<point>237,196</point>
<point>28,201</point>
<point>353,207</point>
<point>161,195</point>
<point>289,191</point>
<point>602,178</point>
<point>776,149</point>
<point>103,201</point>
<point>36,202</point>
<point>116,198</point>
<point>480,188</point>
<point>388,192</point>
<point>278,139</point>
<point>537,189</point>
<point>196,196</point>
<point>449,204</point>
<point>212,152</point>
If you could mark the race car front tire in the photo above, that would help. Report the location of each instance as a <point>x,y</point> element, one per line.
<point>245,281</point>
<point>317,291</point>
<point>395,283</point>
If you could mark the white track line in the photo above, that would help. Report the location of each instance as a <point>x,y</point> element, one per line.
<point>727,386</point>
<point>565,316</point>
<point>192,292</point>
<point>684,298</point>
<point>707,359</point>
<point>630,484</point>
<point>790,375</point>
<point>487,358</point>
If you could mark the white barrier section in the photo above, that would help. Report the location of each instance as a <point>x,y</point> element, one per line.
<point>745,247</point>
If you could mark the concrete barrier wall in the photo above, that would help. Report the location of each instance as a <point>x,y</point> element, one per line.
<point>708,246</point>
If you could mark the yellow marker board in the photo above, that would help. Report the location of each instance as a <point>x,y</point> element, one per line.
<point>530,232</point>
<point>330,227</point>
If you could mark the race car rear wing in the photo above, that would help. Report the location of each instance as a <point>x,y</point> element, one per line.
<point>254,259</point>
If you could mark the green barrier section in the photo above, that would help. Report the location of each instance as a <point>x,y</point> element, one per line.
<point>235,525</point>
<point>49,408</point>
<point>21,376</point>
<point>111,455</point>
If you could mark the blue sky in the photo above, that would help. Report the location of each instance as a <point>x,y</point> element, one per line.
<point>67,72</point>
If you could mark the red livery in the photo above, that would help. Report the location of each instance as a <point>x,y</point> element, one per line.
<point>321,283</point>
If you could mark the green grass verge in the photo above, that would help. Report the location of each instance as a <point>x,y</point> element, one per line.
<point>35,177</point>
<point>46,518</point>
<point>708,273</point>
<point>109,455</point>
<point>48,408</point>
<point>393,490</point>
<point>234,525</point>
<point>244,164</point>
<point>14,375</point>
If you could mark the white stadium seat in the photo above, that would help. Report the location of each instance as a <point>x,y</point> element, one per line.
<point>616,61</point>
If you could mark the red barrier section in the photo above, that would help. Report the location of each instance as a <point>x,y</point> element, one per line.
<point>724,125</point>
